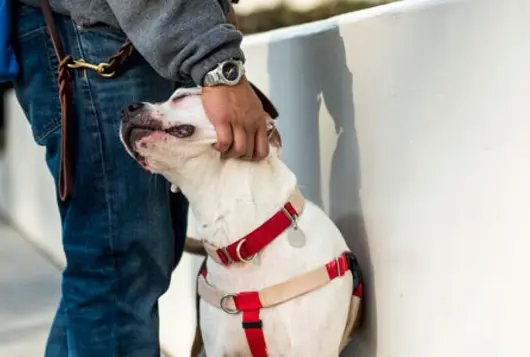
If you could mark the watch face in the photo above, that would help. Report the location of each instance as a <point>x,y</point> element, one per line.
<point>230,71</point>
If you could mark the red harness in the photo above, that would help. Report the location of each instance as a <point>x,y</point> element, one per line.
<point>248,303</point>
<point>247,247</point>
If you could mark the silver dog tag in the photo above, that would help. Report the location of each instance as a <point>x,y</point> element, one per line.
<point>296,237</point>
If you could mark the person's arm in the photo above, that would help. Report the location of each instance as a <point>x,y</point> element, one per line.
<point>181,39</point>
<point>185,39</point>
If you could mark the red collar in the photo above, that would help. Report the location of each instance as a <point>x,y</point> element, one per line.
<point>244,249</point>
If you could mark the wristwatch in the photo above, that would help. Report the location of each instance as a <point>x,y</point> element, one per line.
<point>227,73</point>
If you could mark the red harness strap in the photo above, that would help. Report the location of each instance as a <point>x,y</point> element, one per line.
<point>338,267</point>
<point>250,305</point>
<point>246,247</point>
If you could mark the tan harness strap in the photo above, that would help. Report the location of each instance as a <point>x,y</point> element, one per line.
<point>353,321</point>
<point>211,250</point>
<point>272,295</point>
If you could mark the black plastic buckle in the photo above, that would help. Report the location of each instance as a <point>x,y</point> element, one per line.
<point>252,324</point>
<point>355,270</point>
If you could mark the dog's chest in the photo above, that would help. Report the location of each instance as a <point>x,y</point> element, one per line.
<point>282,260</point>
<point>286,326</point>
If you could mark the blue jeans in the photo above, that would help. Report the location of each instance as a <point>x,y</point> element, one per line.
<point>123,231</point>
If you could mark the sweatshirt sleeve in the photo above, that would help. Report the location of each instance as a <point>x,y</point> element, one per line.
<point>181,39</point>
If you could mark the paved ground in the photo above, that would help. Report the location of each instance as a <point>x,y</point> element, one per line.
<point>29,292</point>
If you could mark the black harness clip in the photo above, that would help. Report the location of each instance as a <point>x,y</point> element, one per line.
<point>355,270</point>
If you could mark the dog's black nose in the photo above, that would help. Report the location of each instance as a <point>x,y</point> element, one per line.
<point>134,107</point>
<point>131,110</point>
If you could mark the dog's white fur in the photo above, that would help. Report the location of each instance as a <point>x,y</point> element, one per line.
<point>230,198</point>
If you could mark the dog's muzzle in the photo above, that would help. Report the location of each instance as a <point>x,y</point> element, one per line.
<point>135,125</point>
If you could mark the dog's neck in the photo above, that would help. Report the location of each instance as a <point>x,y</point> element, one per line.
<point>231,198</point>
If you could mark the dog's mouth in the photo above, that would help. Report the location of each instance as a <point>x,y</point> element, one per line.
<point>131,134</point>
<point>133,130</point>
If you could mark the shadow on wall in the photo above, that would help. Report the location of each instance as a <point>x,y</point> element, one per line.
<point>301,70</point>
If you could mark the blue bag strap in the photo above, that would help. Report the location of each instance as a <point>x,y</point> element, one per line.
<point>9,67</point>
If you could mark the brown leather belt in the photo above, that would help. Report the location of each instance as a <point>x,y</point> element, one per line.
<point>108,70</point>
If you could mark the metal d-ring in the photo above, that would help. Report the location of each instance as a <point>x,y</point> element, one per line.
<point>292,218</point>
<point>223,301</point>
<point>238,252</point>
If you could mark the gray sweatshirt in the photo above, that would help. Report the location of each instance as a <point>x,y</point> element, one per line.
<point>181,39</point>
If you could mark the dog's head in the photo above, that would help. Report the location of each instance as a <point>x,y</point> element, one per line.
<point>162,137</point>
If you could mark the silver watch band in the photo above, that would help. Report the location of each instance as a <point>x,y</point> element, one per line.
<point>235,69</point>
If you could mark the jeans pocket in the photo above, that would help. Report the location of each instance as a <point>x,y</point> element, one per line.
<point>26,20</point>
<point>36,85</point>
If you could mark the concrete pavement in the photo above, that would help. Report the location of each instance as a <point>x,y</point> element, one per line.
<point>29,293</point>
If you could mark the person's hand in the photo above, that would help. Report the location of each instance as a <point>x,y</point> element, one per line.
<point>239,120</point>
<point>238,117</point>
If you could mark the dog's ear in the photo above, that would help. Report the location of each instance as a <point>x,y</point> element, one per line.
<point>274,135</point>
<point>265,101</point>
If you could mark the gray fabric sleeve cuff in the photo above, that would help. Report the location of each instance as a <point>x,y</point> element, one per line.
<point>211,60</point>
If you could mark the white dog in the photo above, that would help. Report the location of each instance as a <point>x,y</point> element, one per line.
<point>279,278</point>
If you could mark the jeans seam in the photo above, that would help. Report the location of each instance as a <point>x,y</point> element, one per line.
<point>32,32</point>
<point>47,131</point>
<point>106,187</point>
<point>53,69</point>
<point>55,123</point>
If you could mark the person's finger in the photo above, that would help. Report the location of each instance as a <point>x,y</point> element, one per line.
<point>262,144</point>
<point>239,146</point>
<point>251,140</point>
<point>224,137</point>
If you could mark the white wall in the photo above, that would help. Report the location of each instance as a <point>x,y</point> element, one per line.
<point>428,179</point>
<point>249,6</point>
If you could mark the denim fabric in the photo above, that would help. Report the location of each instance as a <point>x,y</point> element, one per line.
<point>123,231</point>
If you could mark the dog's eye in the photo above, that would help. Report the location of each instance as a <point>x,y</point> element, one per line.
<point>182,131</point>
